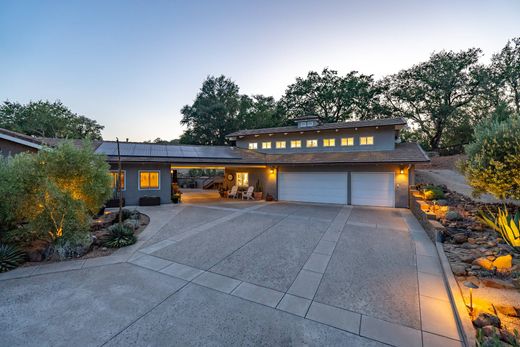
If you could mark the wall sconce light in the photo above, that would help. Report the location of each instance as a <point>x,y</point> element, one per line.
<point>401,169</point>
<point>471,286</point>
<point>271,169</point>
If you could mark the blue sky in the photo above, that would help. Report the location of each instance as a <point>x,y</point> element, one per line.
<point>132,65</point>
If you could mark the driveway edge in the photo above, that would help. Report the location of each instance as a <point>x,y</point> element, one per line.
<point>466,329</point>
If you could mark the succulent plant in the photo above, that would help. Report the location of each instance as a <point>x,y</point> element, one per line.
<point>10,257</point>
<point>119,236</point>
<point>508,226</point>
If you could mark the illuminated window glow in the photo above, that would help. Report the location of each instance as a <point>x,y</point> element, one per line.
<point>312,143</point>
<point>347,141</point>
<point>114,178</point>
<point>242,179</point>
<point>329,142</point>
<point>149,179</point>
<point>296,144</point>
<point>280,144</point>
<point>366,140</point>
<point>253,145</point>
<point>266,145</point>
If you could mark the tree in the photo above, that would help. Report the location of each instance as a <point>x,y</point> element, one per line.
<point>493,159</point>
<point>505,68</point>
<point>160,141</point>
<point>433,94</point>
<point>46,119</point>
<point>220,109</point>
<point>333,98</point>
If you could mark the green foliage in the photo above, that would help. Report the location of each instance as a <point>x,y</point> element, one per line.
<point>433,193</point>
<point>493,163</point>
<point>119,236</point>
<point>505,71</point>
<point>332,97</point>
<point>10,257</point>
<point>46,119</point>
<point>433,94</point>
<point>54,192</point>
<point>125,214</point>
<point>508,226</point>
<point>219,109</point>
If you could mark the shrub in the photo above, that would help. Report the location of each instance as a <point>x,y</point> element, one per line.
<point>493,163</point>
<point>119,236</point>
<point>125,214</point>
<point>506,225</point>
<point>433,193</point>
<point>10,257</point>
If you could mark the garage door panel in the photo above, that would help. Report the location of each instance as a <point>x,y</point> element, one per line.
<point>325,187</point>
<point>373,188</point>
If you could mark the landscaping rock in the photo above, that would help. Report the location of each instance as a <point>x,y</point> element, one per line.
<point>131,223</point>
<point>458,269</point>
<point>508,337</point>
<point>442,202</point>
<point>516,282</point>
<point>504,262</point>
<point>459,238</point>
<point>453,216</point>
<point>490,330</point>
<point>37,251</point>
<point>487,319</point>
<point>496,283</point>
<point>507,310</point>
<point>484,263</point>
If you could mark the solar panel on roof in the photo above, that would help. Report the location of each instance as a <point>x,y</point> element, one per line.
<point>165,151</point>
<point>174,151</point>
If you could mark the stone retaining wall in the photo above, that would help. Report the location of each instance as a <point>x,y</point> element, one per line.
<point>419,209</point>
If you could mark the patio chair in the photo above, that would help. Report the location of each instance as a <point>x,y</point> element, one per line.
<point>233,193</point>
<point>249,194</point>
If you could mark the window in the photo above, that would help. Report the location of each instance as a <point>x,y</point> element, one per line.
<point>242,179</point>
<point>253,145</point>
<point>329,142</point>
<point>347,141</point>
<point>280,144</point>
<point>266,145</point>
<point>149,180</point>
<point>366,140</point>
<point>296,144</point>
<point>114,175</point>
<point>312,143</point>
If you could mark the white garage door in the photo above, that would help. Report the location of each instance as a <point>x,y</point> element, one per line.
<point>325,187</point>
<point>373,188</point>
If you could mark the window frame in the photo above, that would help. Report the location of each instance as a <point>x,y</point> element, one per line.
<point>366,140</point>
<point>284,144</point>
<point>328,143</point>
<point>311,141</point>
<point>113,181</point>
<point>242,173</point>
<point>299,143</point>
<point>347,141</point>
<point>139,180</point>
<point>252,145</point>
<point>265,143</point>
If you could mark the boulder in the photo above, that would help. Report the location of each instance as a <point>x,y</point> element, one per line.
<point>458,269</point>
<point>452,216</point>
<point>484,263</point>
<point>490,330</point>
<point>496,283</point>
<point>37,251</point>
<point>487,319</point>
<point>504,262</point>
<point>507,310</point>
<point>459,238</point>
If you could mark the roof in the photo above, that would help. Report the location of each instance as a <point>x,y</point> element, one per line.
<point>326,126</point>
<point>22,139</point>
<point>403,153</point>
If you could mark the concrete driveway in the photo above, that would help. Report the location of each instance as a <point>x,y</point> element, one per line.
<point>242,274</point>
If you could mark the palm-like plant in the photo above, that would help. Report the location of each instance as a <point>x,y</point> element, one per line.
<point>10,257</point>
<point>505,224</point>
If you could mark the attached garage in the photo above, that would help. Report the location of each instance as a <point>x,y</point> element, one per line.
<point>373,189</point>
<point>322,187</point>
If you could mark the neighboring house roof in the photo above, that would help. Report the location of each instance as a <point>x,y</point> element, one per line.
<point>21,139</point>
<point>326,126</point>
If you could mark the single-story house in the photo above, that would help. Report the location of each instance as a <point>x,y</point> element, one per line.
<point>355,163</point>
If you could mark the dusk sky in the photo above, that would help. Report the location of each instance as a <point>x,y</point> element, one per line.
<point>132,65</point>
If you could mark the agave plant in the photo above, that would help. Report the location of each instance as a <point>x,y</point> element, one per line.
<point>10,257</point>
<point>505,224</point>
<point>119,236</point>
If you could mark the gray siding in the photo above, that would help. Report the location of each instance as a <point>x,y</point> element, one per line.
<point>384,139</point>
<point>132,192</point>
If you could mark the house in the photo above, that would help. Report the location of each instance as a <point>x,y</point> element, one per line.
<point>356,163</point>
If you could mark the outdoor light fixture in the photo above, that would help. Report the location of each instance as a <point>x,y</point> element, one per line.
<point>471,286</point>
<point>401,171</point>
<point>271,169</point>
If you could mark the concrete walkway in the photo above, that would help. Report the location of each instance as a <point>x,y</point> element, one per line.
<point>268,273</point>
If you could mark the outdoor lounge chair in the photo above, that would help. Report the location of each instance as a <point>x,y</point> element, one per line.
<point>233,193</point>
<point>249,194</point>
